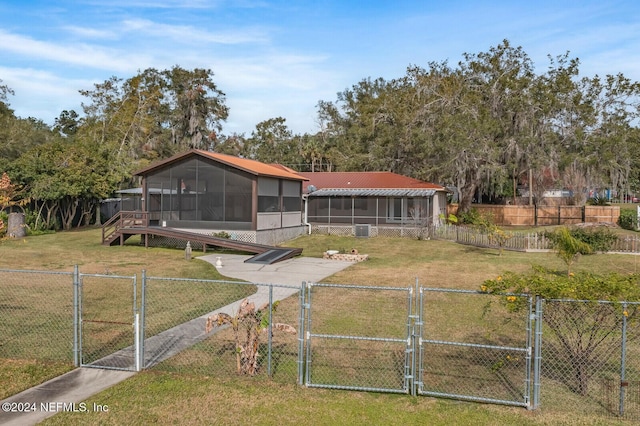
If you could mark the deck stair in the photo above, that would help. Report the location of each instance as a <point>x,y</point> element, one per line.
<point>126,224</point>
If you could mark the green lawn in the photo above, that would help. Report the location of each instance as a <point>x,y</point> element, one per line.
<point>165,397</point>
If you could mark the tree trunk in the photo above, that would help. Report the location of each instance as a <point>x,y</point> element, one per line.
<point>466,193</point>
<point>16,225</point>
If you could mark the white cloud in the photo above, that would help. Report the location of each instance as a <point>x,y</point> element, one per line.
<point>42,94</point>
<point>189,34</point>
<point>78,54</point>
<point>87,32</point>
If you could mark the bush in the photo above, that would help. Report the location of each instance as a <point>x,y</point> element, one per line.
<point>35,225</point>
<point>470,217</point>
<point>3,223</point>
<point>222,234</point>
<point>628,219</point>
<point>598,238</point>
<point>580,331</point>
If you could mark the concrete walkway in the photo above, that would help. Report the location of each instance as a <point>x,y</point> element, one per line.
<point>69,390</point>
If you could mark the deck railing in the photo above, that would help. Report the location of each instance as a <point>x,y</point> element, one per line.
<point>123,219</point>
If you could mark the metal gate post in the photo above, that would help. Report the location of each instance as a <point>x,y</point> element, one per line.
<point>410,350</point>
<point>537,361</point>
<point>530,321</point>
<point>308,336</point>
<point>136,326</point>
<point>143,294</point>
<point>623,360</point>
<point>420,371</point>
<point>76,316</point>
<point>270,331</point>
<point>301,301</point>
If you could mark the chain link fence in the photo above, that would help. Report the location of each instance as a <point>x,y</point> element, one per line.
<point>36,328</point>
<point>591,357</point>
<point>221,328</point>
<point>575,355</point>
<point>36,320</point>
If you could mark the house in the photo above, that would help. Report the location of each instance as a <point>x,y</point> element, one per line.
<point>379,199</point>
<point>203,191</point>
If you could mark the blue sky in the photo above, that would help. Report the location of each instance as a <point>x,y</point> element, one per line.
<point>279,58</point>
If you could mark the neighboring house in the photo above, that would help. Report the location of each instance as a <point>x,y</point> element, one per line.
<point>206,191</point>
<point>373,198</point>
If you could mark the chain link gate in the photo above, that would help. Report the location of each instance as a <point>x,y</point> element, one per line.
<point>358,337</point>
<point>108,322</point>
<point>486,355</point>
<point>467,345</point>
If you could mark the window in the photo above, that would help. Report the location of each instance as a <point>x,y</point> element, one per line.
<point>407,209</point>
<point>291,196</point>
<point>268,195</point>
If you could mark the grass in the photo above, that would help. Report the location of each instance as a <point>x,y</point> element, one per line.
<point>161,396</point>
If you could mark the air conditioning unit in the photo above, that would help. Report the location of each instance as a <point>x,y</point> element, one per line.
<point>363,231</point>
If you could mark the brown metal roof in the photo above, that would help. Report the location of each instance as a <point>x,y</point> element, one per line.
<point>250,166</point>
<point>365,180</point>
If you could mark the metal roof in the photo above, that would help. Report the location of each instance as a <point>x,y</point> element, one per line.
<point>367,184</point>
<point>338,192</point>
<point>362,180</point>
<point>250,166</point>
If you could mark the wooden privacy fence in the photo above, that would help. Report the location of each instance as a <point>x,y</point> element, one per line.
<point>545,215</point>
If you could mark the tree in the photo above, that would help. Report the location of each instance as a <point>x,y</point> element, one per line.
<point>490,125</point>
<point>154,114</point>
<point>67,179</point>
<point>67,123</point>
<point>271,142</point>
<point>17,135</point>
<point>10,194</point>
<point>248,324</point>
<point>567,247</point>
<point>581,328</point>
<point>197,107</point>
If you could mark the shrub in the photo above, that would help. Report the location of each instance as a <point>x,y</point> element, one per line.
<point>3,224</point>
<point>628,219</point>
<point>598,238</point>
<point>470,217</point>
<point>579,331</point>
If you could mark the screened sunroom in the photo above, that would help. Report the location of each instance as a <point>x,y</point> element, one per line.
<point>382,199</point>
<point>205,190</point>
<point>374,207</point>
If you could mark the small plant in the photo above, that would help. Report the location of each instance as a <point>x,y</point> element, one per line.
<point>567,247</point>
<point>598,201</point>
<point>222,234</point>
<point>486,225</point>
<point>499,237</point>
<point>248,325</point>
<point>451,219</point>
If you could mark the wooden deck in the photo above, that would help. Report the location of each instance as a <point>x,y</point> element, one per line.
<point>126,224</point>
